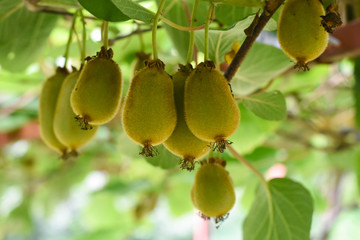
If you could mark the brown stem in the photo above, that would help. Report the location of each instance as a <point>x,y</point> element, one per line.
<point>252,33</point>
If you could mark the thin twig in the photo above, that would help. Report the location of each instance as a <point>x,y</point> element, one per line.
<point>252,33</point>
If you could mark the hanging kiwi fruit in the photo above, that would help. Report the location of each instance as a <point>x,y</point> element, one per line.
<point>213,191</point>
<point>300,32</point>
<point>97,94</point>
<point>211,112</point>
<point>47,104</point>
<point>66,129</point>
<point>182,141</point>
<point>149,114</point>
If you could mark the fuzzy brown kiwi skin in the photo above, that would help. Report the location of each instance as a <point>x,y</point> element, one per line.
<point>211,112</point>
<point>182,141</point>
<point>149,115</point>
<point>47,104</point>
<point>97,95</point>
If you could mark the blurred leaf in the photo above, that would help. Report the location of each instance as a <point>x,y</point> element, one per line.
<point>123,187</point>
<point>165,159</point>
<point>252,131</point>
<point>59,3</point>
<point>20,218</point>
<point>357,91</point>
<point>177,13</point>
<point>229,15</point>
<point>104,9</point>
<point>357,170</point>
<point>291,212</point>
<point>23,34</point>
<point>268,105</point>
<point>246,3</point>
<point>19,82</point>
<point>178,194</point>
<point>220,41</point>
<point>134,10</point>
<point>263,63</point>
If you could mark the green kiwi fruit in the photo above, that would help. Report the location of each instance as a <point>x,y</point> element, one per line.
<point>47,103</point>
<point>213,191</point>
<point>97,94</point>
<point>300,32</point>
<point>182,141</point>
<point>211,112</point>
<point>65,127</point>
<point>149,114</point>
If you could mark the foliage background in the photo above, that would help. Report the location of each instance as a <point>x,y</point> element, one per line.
<point>105,193</point>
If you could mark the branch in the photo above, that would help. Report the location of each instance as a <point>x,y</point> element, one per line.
<point>252,32</point>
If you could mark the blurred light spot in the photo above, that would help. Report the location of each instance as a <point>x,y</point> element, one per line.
<point>10,199</point>
<point>11,55</point>
<point>60,61</point>
<point>95,35</point>
<point>276,171</point>
<point>33,68</point>
<point>17,149</point>
<point>95,180</point>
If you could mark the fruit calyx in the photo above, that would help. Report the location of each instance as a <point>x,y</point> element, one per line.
<point>155,63</point>
<point>149,150</point>
<point>301,65</point>
<point>220,144</point>
<point>187,163</point>
<point>84,122</point>
<point>332,18</point>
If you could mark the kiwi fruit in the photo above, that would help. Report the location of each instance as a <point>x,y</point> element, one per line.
<point>149,114</point>
<point>182,141</point>
<point>213,191</point>
<point>47,103</point>
<point>211,112</point>
<point>300,32</point>
<point>65,127</point>
<point>97,94</point>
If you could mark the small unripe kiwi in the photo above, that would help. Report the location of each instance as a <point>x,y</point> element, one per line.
<point>213,191</point>
<point>97,94</point>
<point>300,32</point>
<point>211,112</point>
<point>66,129</point>
<point>149,115</point>
<point>182,141</point>
<point>47,103</point>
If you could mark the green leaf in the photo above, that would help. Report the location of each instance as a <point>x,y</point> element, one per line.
<point>104,9</point>
<point>291,212</point>
<point>23,34</point>
<point>357,91</point>
<point>357,170</point>
<point>262,64</point>
<point>252,131</point>
<point>221,41</point>
<point>59,3</point>
<point>176,13</point>
<point>229,15</point>
<point>134,10</point>
<point>245,3</point>
<point>164,159</point>
<point>268,105</point>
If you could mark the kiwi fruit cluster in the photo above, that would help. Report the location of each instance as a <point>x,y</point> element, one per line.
<point>71,103</point>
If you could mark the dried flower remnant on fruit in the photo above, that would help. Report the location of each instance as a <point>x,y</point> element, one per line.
<point>149,114</point>
<point>332,19</point>
<point>300,32</point>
